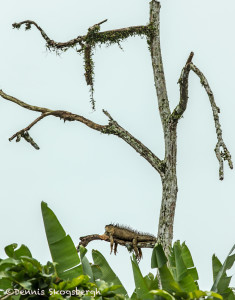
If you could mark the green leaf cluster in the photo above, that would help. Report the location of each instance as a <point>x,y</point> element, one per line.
<point>71,276</point>
<point>20,271</point>
<point>178,274</point>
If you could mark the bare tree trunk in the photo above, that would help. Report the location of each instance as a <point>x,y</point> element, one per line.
<point>169,179</point>
<point>169,190</point>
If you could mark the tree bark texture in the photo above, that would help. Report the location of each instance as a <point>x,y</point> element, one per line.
<point>169,179</point>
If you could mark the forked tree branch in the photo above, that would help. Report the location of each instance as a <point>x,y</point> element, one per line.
<point>112,128</point>
<point>181,107</point>
<point>20,132</point>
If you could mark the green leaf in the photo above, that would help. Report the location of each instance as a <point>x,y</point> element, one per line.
<point>82,251</point>
<point>163,294</point>
<point>8,262</point>
<point>22,251</point>
<point>107,273</point>
<point>30,269</point>
<point>109,291</point>
<point>5,283</point>
<point>75,282</point>
<point>62,248</point>
<point>64,253</point>
<point>187,284</point>
<point>229,295</point>
<point>220,281</point>
<point>181,270</point>
<point>159,261</point>
<point>151,282</point>
<point>181,262</point>
<point>27,285</point>
<point>56,297</point>
<point>182,267</point>
<point>53,228</point>
<point>85,263</point>
<point>167,280</point>
<point>158,258</point>
<point>216,266</point>
<point>193,273</point>
<point>141,287</point>
<point>187,257</point>
<point>97,273</point>
<point>33,261</point>
<point>9,250</point>
<point>224,283</point>
<point>134,296</point>
<point>201,294</point>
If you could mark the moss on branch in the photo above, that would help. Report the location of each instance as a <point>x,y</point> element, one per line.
<point>89,72</point>
<point>88,43</point>
<point>118,35</point>
<point>95,37</point>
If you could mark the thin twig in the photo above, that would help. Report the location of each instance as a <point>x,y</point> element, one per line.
<point>189,60</point>
<point>98,24</point>
<point>23,104</point>
<point>107,114</point>
<point>30,125</point>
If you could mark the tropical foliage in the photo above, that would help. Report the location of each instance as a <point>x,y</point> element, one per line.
<point>70,275</point>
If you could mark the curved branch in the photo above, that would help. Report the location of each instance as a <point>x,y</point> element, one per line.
<point>224,154</point>
<point>181,107</point>
<point>112,128</point>
<point>23,104</point>
<point>50,42</point>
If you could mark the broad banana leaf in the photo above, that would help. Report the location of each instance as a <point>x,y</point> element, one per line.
<point>63,251</point>
<point>221,281</point>
<point>141,287</point>
<point>107,273</point>
<point>85,263</point>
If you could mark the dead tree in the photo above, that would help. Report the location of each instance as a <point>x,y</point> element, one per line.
<point>166,167</point>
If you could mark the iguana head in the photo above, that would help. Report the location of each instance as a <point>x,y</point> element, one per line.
<point>109,229</point>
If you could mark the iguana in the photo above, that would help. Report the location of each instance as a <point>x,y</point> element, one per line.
<point>127,234</point>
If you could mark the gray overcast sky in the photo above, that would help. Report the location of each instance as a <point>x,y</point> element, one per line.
<point>89,179</point>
